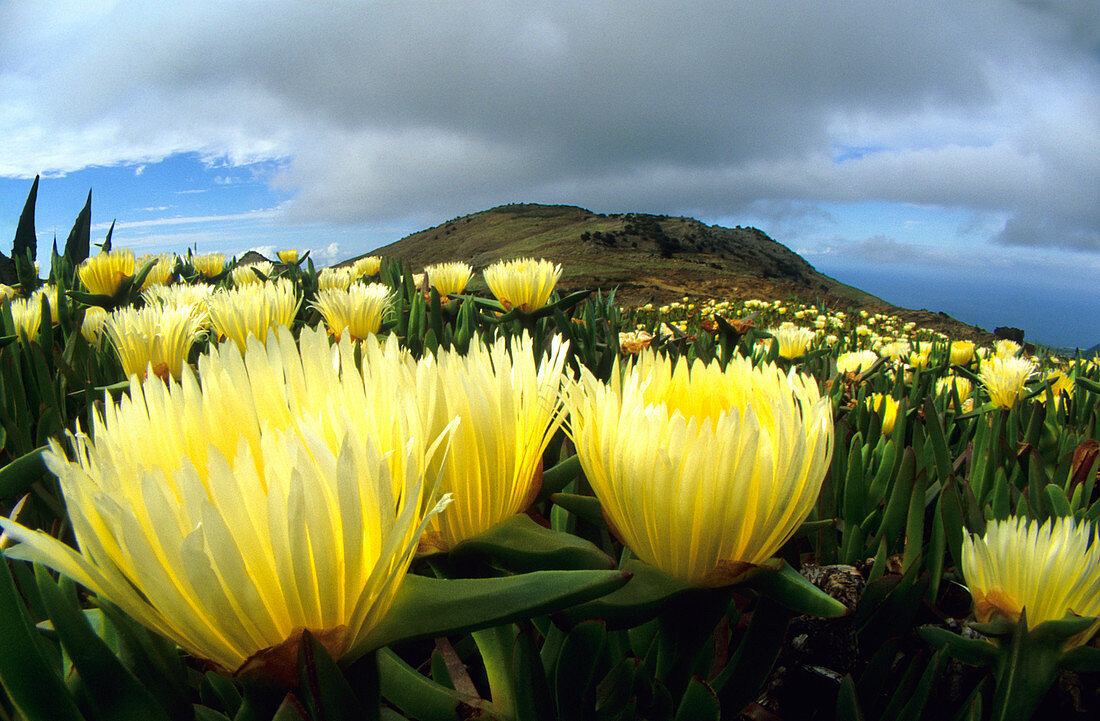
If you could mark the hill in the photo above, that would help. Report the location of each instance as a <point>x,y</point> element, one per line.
<point>649,258</point>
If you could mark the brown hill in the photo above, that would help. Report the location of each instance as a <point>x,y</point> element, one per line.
<point>648,258</point>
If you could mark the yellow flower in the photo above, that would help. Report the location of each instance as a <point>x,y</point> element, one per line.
<point>153,336</point>
<point>962,386</point>
<point>246,275</point>
<point>918,360</point>
<point>27,315</point>
<point>703,472</point>
<point>1005,347</point>
<point>163,265</point>
<point>855,361</point>
<point>524,283</point>
<point>288,257</point>
<point>359,310</point>
<point>508,409</point>
<point>50,293</point>
<point>192,297</point>
<point>1063,385</point>
<point>888,406</point>
<point>92,325</point>
<point>1052,570</point>
<point>341,278</point>
<point>793,341</point>
<point>252,309</point>
<point>232,515</point>
<point>1004,378</point>
<point>6,292</point>
<point>962,352</point>
<point>448,278</point>
<point>102,274</point>
<point>369,265</point>
<point>208,264</point>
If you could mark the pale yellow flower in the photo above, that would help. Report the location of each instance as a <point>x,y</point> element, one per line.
<point>1052,570</point>
<point>962,352</point>
<point>449,278</point>
<point>27,315</point>
<point>252,309</point>
<point>962,386</point>
<point>182,295</point>
<point>523,283</point>
<point>92,325</point>
<point>340,278</point>
<point>281,494</point>
<point>856,361</point>
<point>7,292</point>
<point>1004,377</point>
<point>50,293</point>
<point>793,340</point>
<point>888,407</point>
<point>1005,347</point>
<point>702,472</point>
<point>508,409</point>
<point>246,275</point>
<point>895,350</point>
<point>102,274</point>
<point>369,265</point>
<point>163,265</point>
<point>359,310</point>
<point>208,264</point>
<point>154,337</point>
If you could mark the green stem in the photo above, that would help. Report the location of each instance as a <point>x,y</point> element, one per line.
<point>495,645</point>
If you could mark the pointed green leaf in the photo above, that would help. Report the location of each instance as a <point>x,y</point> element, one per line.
<point>431,607</point>
<point>422,698</point>
<point>574,673</point>
<point>17,476</point>
<point>639,600</point>
<point>79,241</point>
<point>323,688</point>
<point>26,242</point>
<point>699,703</point>
<point>519,544</point>
<point>795,592</point>
<point>114,691</point>
<point>847,705</point>
<point>32,684</point>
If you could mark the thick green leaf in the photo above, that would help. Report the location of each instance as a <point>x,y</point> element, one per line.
<point>323,688</point>
<point>432,607</point>
<point>32,684</point>
<point>639,600</point>
<point>519,544</point>
<point>795,592</point>
<point>847,705</point>
<point>26,242</point>
<point>17,476</point>
<point>556,478</point>
<point>586,507</point>
<point>574,672</point>
<point>79,241</point>
<point>114,691</point>
<point>423,699</point>
<point>699,703</point>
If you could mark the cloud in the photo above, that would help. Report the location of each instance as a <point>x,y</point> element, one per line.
<point>389,111</point>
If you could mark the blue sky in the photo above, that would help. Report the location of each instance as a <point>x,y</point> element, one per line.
<point>939,155</point>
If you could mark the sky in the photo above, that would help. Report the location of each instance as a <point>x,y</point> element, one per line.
<point>940,155</point>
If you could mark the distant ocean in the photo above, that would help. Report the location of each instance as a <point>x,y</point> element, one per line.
<point>1054,315</point>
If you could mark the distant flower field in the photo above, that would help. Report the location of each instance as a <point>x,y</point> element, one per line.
<point>266,491</point>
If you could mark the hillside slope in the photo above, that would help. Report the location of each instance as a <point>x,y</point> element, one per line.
<point>649,258</point>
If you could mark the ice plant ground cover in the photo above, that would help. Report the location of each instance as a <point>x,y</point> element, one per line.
<point>683,512</point>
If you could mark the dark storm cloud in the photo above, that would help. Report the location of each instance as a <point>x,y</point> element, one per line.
<point>398,110</point>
